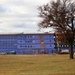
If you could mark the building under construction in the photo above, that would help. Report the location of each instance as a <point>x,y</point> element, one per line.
<point>38,43</point>
<point>27,43</point>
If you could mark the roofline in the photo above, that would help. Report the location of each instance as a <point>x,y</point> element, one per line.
<point>23,33</point>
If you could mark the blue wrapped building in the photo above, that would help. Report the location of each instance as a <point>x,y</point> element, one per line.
<point>27,43</point>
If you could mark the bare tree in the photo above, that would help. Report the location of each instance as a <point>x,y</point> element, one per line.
<point>60,15</point>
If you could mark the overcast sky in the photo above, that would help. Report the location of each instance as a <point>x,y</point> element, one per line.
<point>20,16</point>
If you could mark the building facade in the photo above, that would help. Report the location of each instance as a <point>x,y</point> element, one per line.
<point>61,43</point>
<point>27,43</point>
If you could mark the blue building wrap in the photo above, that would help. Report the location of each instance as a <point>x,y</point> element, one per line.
<point>27,43</point>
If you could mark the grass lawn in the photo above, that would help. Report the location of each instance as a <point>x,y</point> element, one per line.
<point>37,65</point>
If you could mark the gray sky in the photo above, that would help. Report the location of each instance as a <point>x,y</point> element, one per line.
<point>20,16</point>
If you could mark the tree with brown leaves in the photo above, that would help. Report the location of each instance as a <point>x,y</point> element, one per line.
<point>60,15</point>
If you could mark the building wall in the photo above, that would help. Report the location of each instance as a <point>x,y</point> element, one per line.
<point>7,43</point>
<point>27,43</point>
<point>61,43</point>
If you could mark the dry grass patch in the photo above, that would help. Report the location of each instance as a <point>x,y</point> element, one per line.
<point>36,65</point>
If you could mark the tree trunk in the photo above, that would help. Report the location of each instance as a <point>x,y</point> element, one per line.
<point>71,51</point>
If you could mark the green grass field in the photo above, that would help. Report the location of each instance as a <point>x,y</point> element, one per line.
<point>37,65</point>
